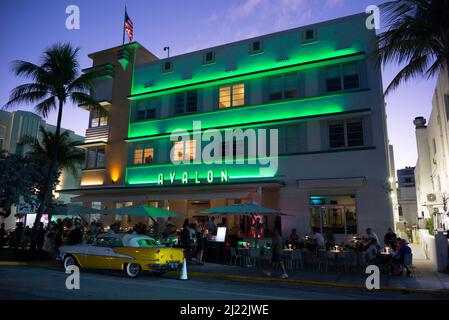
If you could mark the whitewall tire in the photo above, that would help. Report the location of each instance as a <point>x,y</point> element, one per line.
<point>133,270</point>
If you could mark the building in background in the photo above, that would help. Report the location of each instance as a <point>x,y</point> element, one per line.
<point>432,167</point>
<point>318,85</point>
<point>408,210</point>
<point>14,126</point>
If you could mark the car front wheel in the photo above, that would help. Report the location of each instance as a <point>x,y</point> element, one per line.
<point>132,270</point>
<point>69,261</point>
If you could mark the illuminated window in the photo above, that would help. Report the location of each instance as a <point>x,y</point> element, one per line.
<point>94,158</point>
<point>143,155</point>
<point>97,120</point>
<point>232,96</point>
<point>184,151</point>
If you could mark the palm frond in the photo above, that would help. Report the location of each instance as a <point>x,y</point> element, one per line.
<point>417,35</point>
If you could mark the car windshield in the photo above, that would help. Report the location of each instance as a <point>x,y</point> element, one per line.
<point>109,242</point>
<point>146,243</point>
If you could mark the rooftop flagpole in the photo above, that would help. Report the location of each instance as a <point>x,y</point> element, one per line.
<point>124,21</point>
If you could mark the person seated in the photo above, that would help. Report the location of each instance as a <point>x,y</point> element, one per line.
<point>370,234</point>
<point>294,238</point>
<point>372,252</point>
<point>319,241</point>
<point>390,238</point>
<point>398,259</point>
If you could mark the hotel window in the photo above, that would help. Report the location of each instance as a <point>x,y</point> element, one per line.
<point>333,79</point>
<point>167,66</point>
<point>283,87</point>
<point>94,158</point>
<point>186,102</point>
<point>350,76</point>
<point>146,109</point>
<point>143,155</point>
<point>255,47</point>
<point>184,151</point>
<point>347,133</point>
<point>342,77</point>
<point>232,96</point>
<point>309,35</point>
<point>98,120</point>
<point>209,57</point>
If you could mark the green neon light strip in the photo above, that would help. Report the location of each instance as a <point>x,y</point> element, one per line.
<point>149,175</point>
<point>265,68</point>
<point>240,116</point>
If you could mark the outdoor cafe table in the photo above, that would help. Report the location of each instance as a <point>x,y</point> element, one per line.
<point>336,253</point>
<point>244,252</point>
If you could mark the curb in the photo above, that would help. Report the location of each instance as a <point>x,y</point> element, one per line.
<point>297,282</point>
<point>442,293</point>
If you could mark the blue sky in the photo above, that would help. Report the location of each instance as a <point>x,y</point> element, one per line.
<point>27,27</point>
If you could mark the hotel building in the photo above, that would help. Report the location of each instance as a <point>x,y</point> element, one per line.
<point>318,85</point>
<point>432,167</point>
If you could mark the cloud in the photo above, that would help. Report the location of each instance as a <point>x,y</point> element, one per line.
<point>247,8</point>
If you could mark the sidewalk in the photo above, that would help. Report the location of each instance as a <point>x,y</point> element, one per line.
<point>422,280</point>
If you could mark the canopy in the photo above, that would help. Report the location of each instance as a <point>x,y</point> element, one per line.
<point>251,208</point>
<point>142,211</point>
<point>71,209</point>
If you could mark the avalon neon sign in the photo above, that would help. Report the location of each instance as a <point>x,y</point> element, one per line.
<point>187,177</point>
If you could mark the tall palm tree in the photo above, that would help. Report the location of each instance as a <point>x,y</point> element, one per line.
<point>56,81</point>
<point>417,35</point>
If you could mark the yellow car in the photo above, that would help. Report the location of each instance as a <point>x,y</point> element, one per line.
<point>131,253</point>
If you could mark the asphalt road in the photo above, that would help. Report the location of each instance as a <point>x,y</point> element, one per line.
<point>23,282</point>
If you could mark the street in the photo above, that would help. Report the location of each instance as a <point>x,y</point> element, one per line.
<point>24,282</point>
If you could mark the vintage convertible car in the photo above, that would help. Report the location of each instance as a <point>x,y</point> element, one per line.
<point>131,253</point>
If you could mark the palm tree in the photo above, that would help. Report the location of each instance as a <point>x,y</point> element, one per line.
<point>54,82</point>
<point>68,155</point>
<point>417,35</point>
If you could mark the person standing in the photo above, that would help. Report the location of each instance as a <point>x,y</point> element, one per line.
<point>277,254</point>
<point>40,237</point>
<point>200,244</point>
<point>2,235</point>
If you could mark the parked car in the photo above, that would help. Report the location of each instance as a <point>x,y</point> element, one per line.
<point>132,253</point>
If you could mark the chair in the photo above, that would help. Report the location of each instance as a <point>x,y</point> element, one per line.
<point>296,258</point>
<point>323,258</point>
<point>348,258</point>
<point>254,256</point>
<point>235,256</point>
<point>408,261</point>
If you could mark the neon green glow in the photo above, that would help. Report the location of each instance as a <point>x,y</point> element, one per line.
<point>262,63</point>
<point>283,110</point>
<point>236,172</point>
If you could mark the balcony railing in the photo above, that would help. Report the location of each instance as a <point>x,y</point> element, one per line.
<point>97,134</point>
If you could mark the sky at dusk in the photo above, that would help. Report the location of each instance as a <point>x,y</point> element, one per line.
<point>27,27</point>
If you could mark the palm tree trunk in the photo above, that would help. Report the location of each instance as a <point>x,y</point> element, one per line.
<point>51,176</point>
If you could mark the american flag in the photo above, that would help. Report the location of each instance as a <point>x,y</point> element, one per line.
<point>129,27</point>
